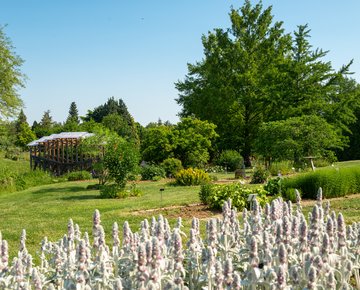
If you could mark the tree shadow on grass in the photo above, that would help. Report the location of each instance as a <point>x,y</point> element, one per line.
<point>68,189</point>
<point>81,197</point>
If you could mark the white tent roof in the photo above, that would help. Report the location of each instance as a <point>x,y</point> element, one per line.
<point>62,135</point>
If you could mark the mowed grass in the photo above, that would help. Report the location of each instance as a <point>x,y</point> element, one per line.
<point>45,210</point>
<point>19,166</point>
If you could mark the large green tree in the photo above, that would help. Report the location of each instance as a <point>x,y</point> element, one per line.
<point>297,137</point>
<point>156,144</point>
<point>191,141</point>
<point>230,87</point>
<point>254,73</point>
<point>11,78</point>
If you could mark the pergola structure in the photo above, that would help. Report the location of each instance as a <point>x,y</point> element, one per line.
<point>59,153</point>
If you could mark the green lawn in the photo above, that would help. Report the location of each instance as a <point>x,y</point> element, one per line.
<point>45,210</point>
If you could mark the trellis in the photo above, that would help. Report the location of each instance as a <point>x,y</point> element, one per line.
<point>60,153</point>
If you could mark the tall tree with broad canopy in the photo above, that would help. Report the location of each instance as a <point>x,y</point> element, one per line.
<point>297,137</point>
<point>11,78</point>
<point>254,73</point>
<point>230,87</point>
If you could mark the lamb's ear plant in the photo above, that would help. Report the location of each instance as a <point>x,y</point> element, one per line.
<point>274,247</point>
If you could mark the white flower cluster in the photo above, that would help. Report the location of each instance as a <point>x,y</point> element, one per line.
<point>272,248</point>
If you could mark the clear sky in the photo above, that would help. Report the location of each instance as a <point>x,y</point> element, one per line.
<point>89,50</point>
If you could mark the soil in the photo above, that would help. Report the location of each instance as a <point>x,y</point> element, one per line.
<point>198,210</point>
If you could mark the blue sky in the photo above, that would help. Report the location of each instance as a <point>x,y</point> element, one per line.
<point>87,51</point>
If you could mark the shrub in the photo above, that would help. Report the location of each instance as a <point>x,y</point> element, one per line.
<point>114,191</point>
<point>78,175</point>
<point>152,172</point>
<point>171,166</point>
<point>206,190</point>
<point>192,176</point>
<point>120,159</point>
<point>109,191</point>
<point>282,167</point>
<point>216,195</point>
<point>230,159</point>
<point>273,186</point>
<point>335,182</point>
<point>260,175</point>
<point>13,153</point>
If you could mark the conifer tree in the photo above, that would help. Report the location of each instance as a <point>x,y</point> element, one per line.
<point>24,134</point>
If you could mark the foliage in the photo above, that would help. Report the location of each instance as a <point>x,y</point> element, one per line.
<point>260,175</point>
<point>114,191</point>
<point>78,175</point>
<point>72,121</point>
<point>254,73</point>
<point>24,136</point>
<point>193,139</point>
<point>121,159</point>
<point>93,147</point>
<point>157,145</point>
<point>231,86</point>
<point>297,137</point>
<point>11,78</point>
<point>171,166</point>
<point>45,127</point>
<point>73,114</point>
<point>7,134</point>
<point>335,182</point>
<point>110,107</point>
<point>117,123</point>
<point>230,159</point>
<point>152,172</point>
<point>273,186</point>
<point>12,153</point>
<point>216,195</point>
<point>12,180</point>
<point>352,152</point>
<point>191,176</point>
<point>283,167</point>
